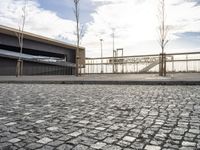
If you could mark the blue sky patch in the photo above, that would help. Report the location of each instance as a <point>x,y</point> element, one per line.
<point>64,9</point>
<point>194,35</point>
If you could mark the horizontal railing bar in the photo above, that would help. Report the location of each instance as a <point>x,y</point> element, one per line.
<point>140,62</point>
<point>153,55</point>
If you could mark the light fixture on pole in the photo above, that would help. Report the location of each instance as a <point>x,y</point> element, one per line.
<point>101,42</point>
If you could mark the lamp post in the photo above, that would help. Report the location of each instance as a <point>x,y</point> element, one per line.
<point>101,42</point>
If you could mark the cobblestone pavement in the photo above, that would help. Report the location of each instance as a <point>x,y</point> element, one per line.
<point>81,117</point>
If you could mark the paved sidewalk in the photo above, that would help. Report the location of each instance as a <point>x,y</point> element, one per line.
<point>99,117</point>
<point>124,79</point>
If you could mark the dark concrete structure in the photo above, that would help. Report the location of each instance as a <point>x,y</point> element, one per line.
<point>41,55</point>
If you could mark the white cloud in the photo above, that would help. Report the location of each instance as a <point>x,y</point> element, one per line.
<point>136,24</point>
<point>38,20</point>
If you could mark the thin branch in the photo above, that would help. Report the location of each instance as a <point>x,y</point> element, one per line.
<point>82,31</point>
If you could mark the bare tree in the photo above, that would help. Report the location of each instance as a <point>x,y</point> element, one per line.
<point>82,32</point>
<point>20,36</point>
<point>76,12</point>
<point>163,40</point>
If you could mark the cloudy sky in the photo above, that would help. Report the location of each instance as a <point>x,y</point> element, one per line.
<point>135,23</point>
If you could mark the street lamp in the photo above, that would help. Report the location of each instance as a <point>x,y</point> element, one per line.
<point>101,42</point>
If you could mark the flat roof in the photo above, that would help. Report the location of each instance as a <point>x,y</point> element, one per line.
<point>27,35</point>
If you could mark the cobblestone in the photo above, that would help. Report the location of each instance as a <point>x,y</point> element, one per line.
<point>22,132</point>
<point>129,138</point>
<point>80,147</point>
<point>98,145</point>
<point>152,147</point>
<point>64,147</point>
<point>112,147</point>
<point>188,143</point>
<point>15,140</point>
<point>105,117</point>
<point>10,123</point>
<point>40,121</point>
<point>33,146</point>
<point>52,128</point>
<point>44,140</point>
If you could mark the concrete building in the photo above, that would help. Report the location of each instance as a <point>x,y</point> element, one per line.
<point>41,55</point>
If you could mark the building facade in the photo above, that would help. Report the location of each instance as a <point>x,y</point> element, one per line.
<point>40,55</point>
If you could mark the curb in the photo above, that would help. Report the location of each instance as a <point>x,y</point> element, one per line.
<point>94,82</point>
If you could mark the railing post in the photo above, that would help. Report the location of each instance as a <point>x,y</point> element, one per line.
<point>122,60</point>
<point>89,67</point>
<point>187,63</point>
<point>160,65</point>
<point>164,64</point>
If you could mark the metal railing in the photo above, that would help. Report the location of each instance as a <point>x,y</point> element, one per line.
<point>175,62</point>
